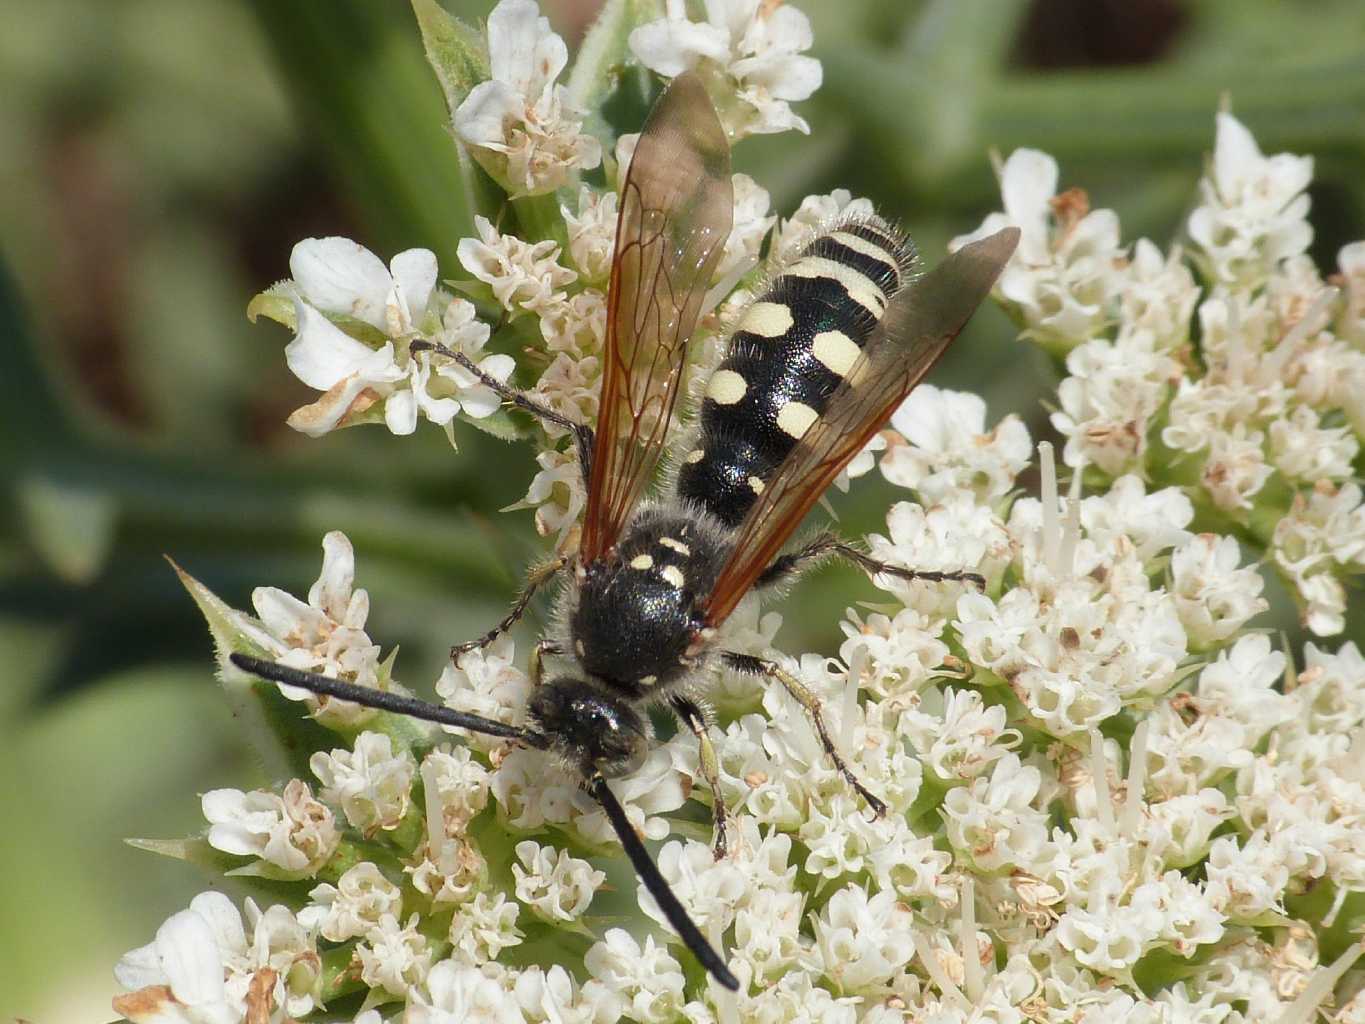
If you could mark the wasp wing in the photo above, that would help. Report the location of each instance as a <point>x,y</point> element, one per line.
<point>676,211</point>
<point>919,323</point>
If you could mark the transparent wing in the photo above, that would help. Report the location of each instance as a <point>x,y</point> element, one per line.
<point>676,210</point>
<point>919,323</point>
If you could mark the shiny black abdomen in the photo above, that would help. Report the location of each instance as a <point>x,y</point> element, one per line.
<point>789,352</point>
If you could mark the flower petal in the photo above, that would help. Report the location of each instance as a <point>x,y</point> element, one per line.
<point>415,272</point>
<point>190,956</point>
<point>322,354</point>
<point>341,276</point>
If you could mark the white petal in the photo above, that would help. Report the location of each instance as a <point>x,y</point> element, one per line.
<point>223,918</point>
<point>286,616</point>
<point>514,29</point>
<point>139,968</point>
<point>332,591</point>
<point>672,47</point>
<point>1028,181</point>
<point>415,272</point>
<point>322,354</point>
<point>341,276</point>
<point>481,120</point>
<point>1235,154</point>
<point>400,412</point>
<point>190,956</point>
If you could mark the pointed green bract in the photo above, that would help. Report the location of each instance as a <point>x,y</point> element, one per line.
<point>455,51</point>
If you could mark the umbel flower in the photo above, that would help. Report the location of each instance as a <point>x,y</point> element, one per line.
<point>1111,794</point>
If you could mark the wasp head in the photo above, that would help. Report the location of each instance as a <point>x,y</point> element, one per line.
<point>590,729</point>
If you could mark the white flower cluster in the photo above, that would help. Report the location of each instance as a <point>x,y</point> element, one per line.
<point>1262,419</point>
<point>1108,794</point>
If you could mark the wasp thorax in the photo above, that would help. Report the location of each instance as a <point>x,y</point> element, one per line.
<point>594,731</point>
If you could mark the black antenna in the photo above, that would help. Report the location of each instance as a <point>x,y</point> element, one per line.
<point>658,888</point>
<point>383,701</point>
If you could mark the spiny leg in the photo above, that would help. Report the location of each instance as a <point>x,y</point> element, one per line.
<point>535,579</point>
<point>827,544</point>
<point>583,435</point>
<point>808,700</point>
<point>693,718</point>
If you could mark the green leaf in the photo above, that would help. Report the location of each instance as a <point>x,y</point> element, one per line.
<point>455,51</point>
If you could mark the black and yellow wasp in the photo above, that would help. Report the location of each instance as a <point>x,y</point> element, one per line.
<point>814,368</point>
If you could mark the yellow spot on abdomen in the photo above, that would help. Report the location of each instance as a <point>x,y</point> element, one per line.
<point>642,562</point>
<point>726,387</point>
<point>795,418</point>
<point>836,350</point>
<point>767,319</point>
<point>673,575</point>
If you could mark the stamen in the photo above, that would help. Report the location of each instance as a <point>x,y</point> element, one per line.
<point>1047,492</point>
<point>1099,773</point>
<point>1137,780</point>
<point>973,976</point>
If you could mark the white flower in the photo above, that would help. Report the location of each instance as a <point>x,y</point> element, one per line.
<point>292,831</point>
<point>523,275</point>
<point>1235,470</point>
<point>326,635</point>
<point>576,326</point>
<point>950,449</point>
<point>1254,212</point>
<point>756,44</point>
<point>457,993</point>
<point>557,886</point>
<point>1305,451</point>
<point>957,534</point>
<point>592,233</point>
<point>1113,391</point>
<point>208,966</point>
<point>1323,530</point>
<point>487,682</point>
<point>357,903</point>
<point>1068,270</point>
<point>483,927</point>
<point>863,940</point>
<point>371,784</point>
<point>394,956</point>
<point>1213,597</point>
<point>1158,297</point>
<point>992,820</point>
<point>557,493</point>
<point>1248,880</point>
<point>520,125</point>
<point>570,387</point>
<point>964,740</point>
<point>553,997</point>
<point>647,976</point>
<point>893,656</point>
<point>344,279</point>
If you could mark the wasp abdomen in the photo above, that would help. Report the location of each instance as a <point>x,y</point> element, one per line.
<point>789,352</point>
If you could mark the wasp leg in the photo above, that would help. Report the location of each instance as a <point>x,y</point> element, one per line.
<point>535,579</point>
<point>583,435</point>
<point>693,718</point>
<point>772,670</point>
<point>827,544</point>
<point>536,668</point>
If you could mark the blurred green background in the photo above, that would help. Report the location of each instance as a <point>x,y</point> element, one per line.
<point>159,160</point>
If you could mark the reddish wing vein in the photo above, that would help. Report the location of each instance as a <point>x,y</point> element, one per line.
<point>676,210</point>
<point>919,323</point>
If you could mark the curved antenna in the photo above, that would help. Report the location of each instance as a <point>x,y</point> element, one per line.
<point>648,873</point>
<point>383,701</point>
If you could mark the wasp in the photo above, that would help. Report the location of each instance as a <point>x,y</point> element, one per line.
<point>815,366</point>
